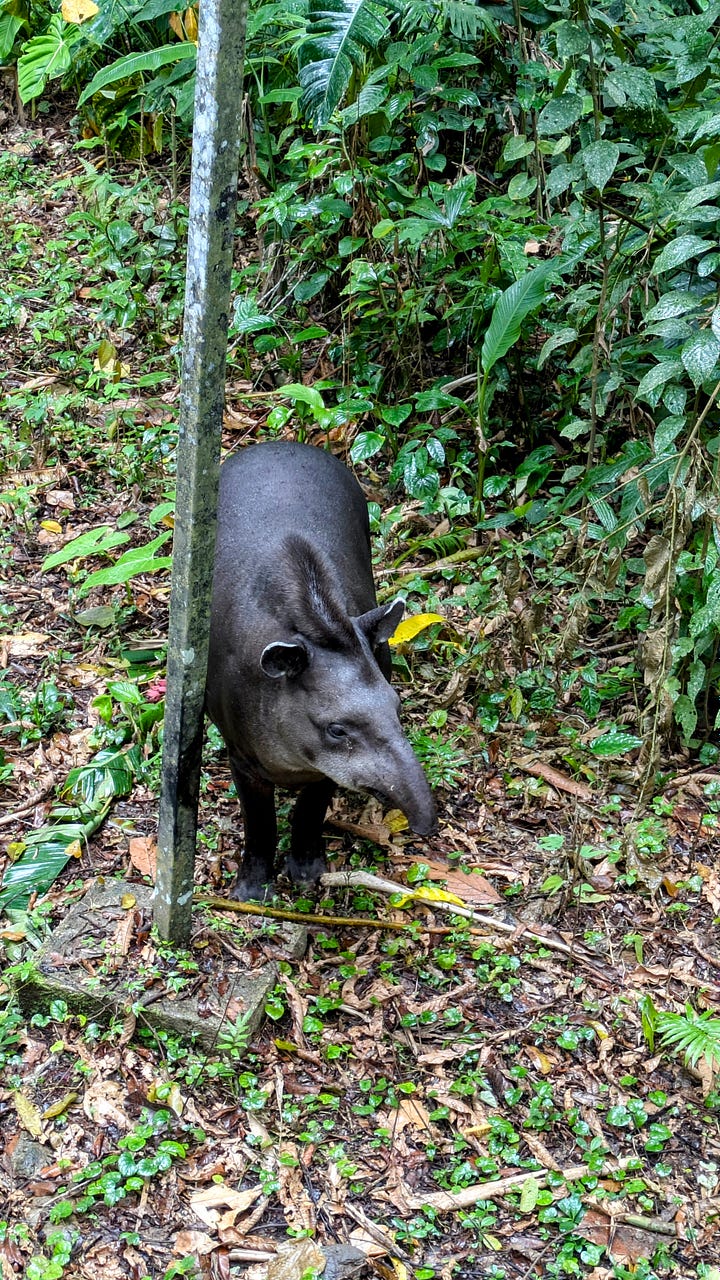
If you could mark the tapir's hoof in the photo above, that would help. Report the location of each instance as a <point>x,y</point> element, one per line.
<point>248,889</point>
<point>305,871</point>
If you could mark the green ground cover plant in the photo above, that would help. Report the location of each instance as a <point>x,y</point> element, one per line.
<point>477,255</point>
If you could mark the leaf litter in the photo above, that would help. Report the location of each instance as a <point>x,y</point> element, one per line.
<point>472,1095</point>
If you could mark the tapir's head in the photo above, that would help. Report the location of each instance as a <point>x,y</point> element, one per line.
<point>328,710</point>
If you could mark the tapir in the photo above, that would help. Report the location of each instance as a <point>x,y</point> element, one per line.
<point>299,665</point>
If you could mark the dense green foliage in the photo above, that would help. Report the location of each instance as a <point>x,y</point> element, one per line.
<point>492,235</point>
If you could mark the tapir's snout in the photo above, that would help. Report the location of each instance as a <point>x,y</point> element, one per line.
<point>404,786</point>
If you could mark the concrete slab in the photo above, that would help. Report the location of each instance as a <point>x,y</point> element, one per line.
<point>102,962</point>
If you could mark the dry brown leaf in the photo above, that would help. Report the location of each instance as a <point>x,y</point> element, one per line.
<point>207,1203</point>
<point>556,779</point>
<point>473,888</point>
<point>623,1243</point>
<point>409,1111</point>
<point>294,1260</point>
<point>541,1061</point>
<point>103,1104</point>
<point>27,644</point>
<point>143,855</point>
<point>299,1208</point>
<point>197,1243</point>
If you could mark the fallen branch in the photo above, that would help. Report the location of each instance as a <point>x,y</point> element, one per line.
<point>378,884</point>
<point>449,1202</point>
<point>300,917</point>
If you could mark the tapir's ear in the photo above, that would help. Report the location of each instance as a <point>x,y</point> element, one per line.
<point>379,624</point>
<point>281,659</point>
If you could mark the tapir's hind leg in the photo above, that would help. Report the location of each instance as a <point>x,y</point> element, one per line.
<point>257,800</point>
<point>306,860</point>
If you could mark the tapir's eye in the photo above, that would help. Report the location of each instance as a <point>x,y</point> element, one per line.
<point>336,733</point>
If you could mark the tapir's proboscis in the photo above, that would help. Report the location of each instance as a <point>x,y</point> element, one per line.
<point>299,666</point>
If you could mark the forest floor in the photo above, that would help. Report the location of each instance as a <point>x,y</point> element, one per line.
<point>456,1098</point>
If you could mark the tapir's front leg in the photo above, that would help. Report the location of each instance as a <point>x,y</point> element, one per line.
<point>257,800</point>
<point>306,860</point>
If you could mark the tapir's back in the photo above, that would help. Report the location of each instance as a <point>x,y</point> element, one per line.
<point>278,490</point>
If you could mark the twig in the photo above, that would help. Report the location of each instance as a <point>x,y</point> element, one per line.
<point>428,570</point>
<point>302,917</point>
<point>657,1225</point>
<point>8,818</point>
<point>448,1202</point>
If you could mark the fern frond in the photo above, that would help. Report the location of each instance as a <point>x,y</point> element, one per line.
<point>694,1035</point>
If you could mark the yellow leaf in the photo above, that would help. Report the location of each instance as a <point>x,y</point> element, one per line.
<point>127,902</point>
<point>399,1268</point>
<point>58,1108</point>
<point>28,1114</point>
<point>428,893</point>
<point>106,358</point>
<point>492,1242</point>
<point>74,849</point>
<point>15,849</point>
<point>395,821</point>
<point>51,526</point>
<point>176,25</point>
<point>539,1059</point>
<point>78,11</point>
<point>411,627</point>
<point>600,1031</point>
<point>191,24</point>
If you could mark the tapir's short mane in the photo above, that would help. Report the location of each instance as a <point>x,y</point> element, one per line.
<point>304,593</point>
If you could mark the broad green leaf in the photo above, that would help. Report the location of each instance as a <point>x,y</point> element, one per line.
<point>632,84</point>
<point>701,195</point>
<point>133,64</point>
<point>560,114</point>
<point>516,148</point>
<point>369,100</point>
<point>529,1194</point>
<point>666,433</point>
<point>658,376</point>
<point>247,318</point>
<point>339,32</point>
<point>680,251</point>
<point>700,355</point>
<point>132,563</point>
<point>600,159</point>
<point>411,627</point>
<point>45,57</point>
<point>572,38</point>
<point>715,322</point>
<point>366,445</point>
<point>93,543</point>
<point>559,339</point>
<point>100,615</point>
<point>604,513</point>
<point>521,185</point>
<point>615,743</point>
<point>677,303</point>
<point>68,830</point>
<point>10,25</point>
<point>301,394</point>
<point>511,308</point>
